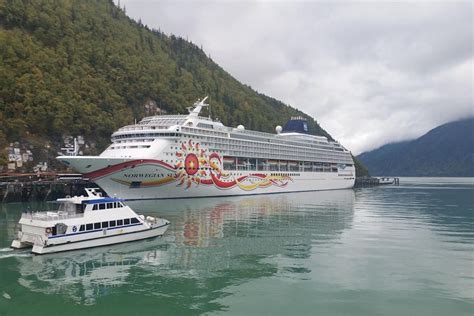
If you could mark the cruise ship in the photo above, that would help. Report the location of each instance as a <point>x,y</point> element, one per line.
<point>183,156</point>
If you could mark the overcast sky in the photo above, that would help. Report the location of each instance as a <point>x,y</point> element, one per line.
<point>369,72</point>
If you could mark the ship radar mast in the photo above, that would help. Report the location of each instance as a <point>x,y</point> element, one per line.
<point>198,105</point>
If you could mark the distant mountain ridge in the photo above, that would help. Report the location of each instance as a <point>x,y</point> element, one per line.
<point>445,151</point>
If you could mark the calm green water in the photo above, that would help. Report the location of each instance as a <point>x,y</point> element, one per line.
<point>405,250</point>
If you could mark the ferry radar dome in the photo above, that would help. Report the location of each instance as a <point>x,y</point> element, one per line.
<point>278,129</point>
<point>240,127</point>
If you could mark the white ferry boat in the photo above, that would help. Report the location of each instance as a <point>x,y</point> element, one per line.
<point>176,156</point>
<point>85,222</point>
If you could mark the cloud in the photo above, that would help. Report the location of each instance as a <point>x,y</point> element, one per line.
<point>369,72</point>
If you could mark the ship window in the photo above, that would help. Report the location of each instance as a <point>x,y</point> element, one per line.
<point>135,220</point>
<point>82,228</point>
<point>89,226</point>
<point>112,223</point>
<point>102,206</point>
<point>110,205</point>
<point>105,224</point>
<point>119,222</point>
<point>126,221</point>
<point>95,207</point>
<point>80,208</point>
<point>96,225</point>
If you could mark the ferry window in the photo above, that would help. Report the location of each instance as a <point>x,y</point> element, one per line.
<point>110,205</point>
<point>112,223</point>
<point>119,222</point>
<point>105,224</point>
<point>96,225</point>
<point>102,206</point>
<point>126,221</point>
<point>82,228</point>
<point>115,204</point>
<point>95,207</point>
<point>80,208</point>
<point>89,226</point>
<point>135,220</point>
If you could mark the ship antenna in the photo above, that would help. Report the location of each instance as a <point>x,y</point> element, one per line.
<point>209,111</point>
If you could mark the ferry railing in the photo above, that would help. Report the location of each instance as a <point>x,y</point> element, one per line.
<point>49,216</point>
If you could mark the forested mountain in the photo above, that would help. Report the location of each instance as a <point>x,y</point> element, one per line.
<point>85,68</point>
<point>445,151</point>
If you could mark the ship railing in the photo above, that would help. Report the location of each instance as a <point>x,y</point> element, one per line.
<point>151,220</point>
<point>143,127</point>
<point>277,139</point>
<point>50,216</point>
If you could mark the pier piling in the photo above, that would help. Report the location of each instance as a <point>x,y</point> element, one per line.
<point>41,190</point>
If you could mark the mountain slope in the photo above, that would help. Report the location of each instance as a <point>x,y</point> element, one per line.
<point>447,150</point>
<point>85,68</point>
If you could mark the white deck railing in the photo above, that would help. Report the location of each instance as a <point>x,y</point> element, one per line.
<point>50,216</point>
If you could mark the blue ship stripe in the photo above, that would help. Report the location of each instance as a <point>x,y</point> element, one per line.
<point>92,231</point>
<point>102,200</point>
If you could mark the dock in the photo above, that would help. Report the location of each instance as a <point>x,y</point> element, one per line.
<point>373,181</point>
<point>40,188</point>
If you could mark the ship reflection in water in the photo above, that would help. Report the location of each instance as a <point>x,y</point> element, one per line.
<point>211,244</point>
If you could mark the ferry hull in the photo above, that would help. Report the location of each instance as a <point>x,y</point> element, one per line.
<point>98,242</point>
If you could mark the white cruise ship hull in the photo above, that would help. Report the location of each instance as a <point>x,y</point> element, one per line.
<point>155,179</point>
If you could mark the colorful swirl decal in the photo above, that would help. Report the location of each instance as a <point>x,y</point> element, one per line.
<point>195,166</point>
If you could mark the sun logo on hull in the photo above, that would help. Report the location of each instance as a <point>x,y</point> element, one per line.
<point>192,164</point>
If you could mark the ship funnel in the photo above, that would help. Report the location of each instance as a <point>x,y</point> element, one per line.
<point>297,124</point>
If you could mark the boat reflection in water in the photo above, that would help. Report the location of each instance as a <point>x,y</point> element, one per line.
<point>84,275</point>
<point>211,244</point>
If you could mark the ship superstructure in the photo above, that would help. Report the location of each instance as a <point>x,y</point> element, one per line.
<point>171,156</point>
